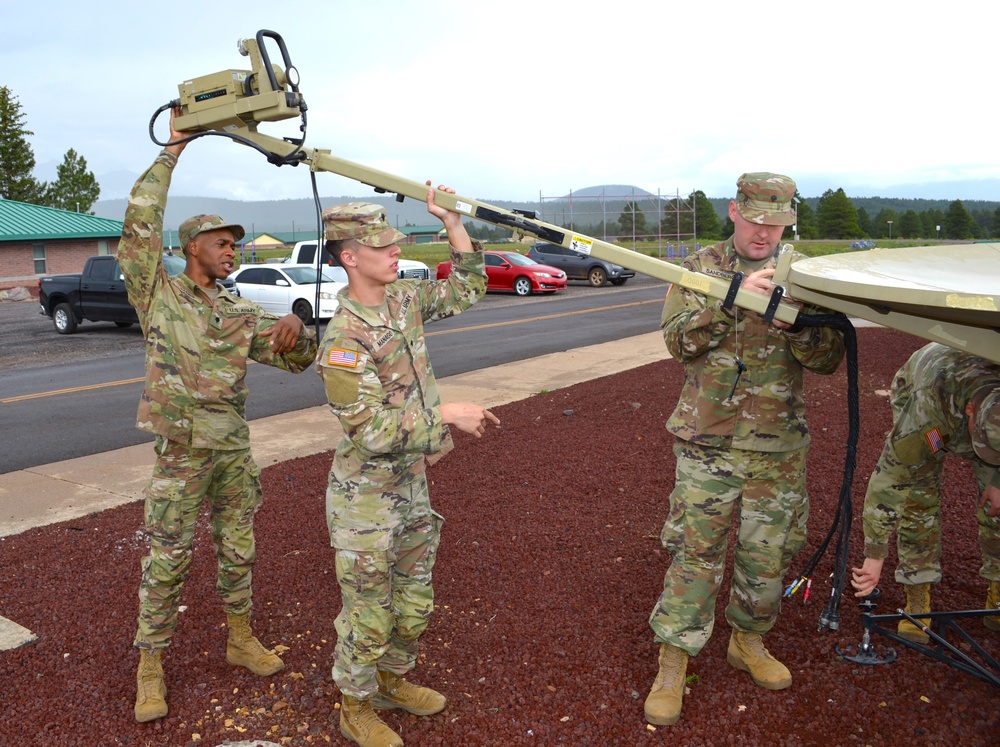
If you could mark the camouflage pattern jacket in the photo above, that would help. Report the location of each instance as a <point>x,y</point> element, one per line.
<point>767,410</point>
<point>379,383</point>
<point>929,395</point>
<point>196,348</point>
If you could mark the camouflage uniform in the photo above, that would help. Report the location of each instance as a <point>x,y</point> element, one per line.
<point>379,383</point>
<point>746,454</point>
<point>929,395</point>
<point>197,345</point>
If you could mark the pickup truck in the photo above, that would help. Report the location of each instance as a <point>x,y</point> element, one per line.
<point>304,253</point>
<point>97,294</point>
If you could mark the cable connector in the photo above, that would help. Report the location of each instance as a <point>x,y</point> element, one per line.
<point>796,585</point>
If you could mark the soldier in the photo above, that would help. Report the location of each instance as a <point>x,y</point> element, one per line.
<point>741,443</point>
<point>379,383</point>
<point>198,339</point>
<point>943,401</point>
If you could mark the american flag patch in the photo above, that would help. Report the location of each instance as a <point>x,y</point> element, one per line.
<point>934,440</point>
<point>341,357</point>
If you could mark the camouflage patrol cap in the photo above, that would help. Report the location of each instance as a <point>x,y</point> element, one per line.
<point>766,199</point>
<point>200,223</point>
<point>986,428</point>
<point>364,222</point>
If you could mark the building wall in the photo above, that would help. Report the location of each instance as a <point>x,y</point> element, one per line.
<point>17,262</point>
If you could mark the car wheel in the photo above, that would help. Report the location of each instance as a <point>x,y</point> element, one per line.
<point>123,325</point>
<point>63,319</point>
<point>522,286</point>
<point>596,277</point>
<point>303,311</point>
<point>619,281</point>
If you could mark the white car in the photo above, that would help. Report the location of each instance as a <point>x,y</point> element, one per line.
<point>291,289</point>
<point>411,269</point>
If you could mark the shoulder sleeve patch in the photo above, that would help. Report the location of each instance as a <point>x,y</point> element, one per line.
<point>342,358</point>
<point>917,448</point>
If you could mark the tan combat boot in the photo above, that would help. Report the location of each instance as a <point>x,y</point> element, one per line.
<point>747,653</point>
<point>918,599</point>
<point>663,704</point>
<point>150,691</point>
<point>243,650</point>
<point>992,602</point>
<point>395,692</point>
<point>360,724</point>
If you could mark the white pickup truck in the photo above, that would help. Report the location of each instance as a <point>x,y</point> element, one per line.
<point>304,253</point>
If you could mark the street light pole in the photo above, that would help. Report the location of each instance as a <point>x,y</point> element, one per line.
<point>890,229</point>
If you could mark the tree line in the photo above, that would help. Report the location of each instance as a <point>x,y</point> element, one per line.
<point>75,188</point>
<point>835,217</point>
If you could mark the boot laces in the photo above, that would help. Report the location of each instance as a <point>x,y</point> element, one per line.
<point>671,666</point>
<point>149,679</point>
<point>755,645</point>
<point>365,718</point>
<point>919,598</point>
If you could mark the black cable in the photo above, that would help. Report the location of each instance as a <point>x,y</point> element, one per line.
<point>319,250</point>
<point>843,517</point>
<point>291,159</point>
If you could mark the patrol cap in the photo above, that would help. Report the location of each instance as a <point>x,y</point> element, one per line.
<point>365,222</point>
<point>986,428</point>
<point>766,199</point>
<point>200,223</point>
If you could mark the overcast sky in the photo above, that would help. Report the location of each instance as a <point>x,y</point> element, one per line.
<point>512,99</point>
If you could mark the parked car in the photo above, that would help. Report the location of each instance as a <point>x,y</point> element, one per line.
<point>175,263</point>
<point>304,252</point>
<point>291,289</point>
<point>578,266</point>
<point>97,294</point>
<point>510,271</point>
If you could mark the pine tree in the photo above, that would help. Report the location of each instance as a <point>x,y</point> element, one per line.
<point>910,225</point>
<point>886,224</point>
<point>17,160</point>
<point>632,221</point>
<point>836,216</point>
<point>865,221</point>
<point>75,188</point>
<point>957,222</point>
<point>805,220</point>
<point>706,220</point>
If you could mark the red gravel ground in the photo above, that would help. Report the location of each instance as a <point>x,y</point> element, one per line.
<point>549,566</point>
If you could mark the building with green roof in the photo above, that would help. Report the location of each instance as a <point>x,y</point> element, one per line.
<point>37,240</point>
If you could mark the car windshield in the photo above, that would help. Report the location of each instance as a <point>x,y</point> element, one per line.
<point>173,264</point>
<point>307,275</point>
<point>518,259</point>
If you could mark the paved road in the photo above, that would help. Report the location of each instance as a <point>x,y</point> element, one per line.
<point>65,396</point>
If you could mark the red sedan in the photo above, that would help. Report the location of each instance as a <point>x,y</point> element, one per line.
<point>510,271</point>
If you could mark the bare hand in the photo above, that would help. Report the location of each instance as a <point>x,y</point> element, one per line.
<point>991,500</point>
<point>761,282</point>
<point>468,417</point>
<point>865,578</point>
<point>284,334</point>
<point>176,148</point>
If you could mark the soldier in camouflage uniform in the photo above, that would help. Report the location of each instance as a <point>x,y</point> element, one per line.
<point>943,401</point>
<point>198,339</point>
<point>378,379</point>
<point>741,443</point>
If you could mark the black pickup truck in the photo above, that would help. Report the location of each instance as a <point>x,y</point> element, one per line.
<point>98,294</point>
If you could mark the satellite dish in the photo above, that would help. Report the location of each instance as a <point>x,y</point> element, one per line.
<point>949,294</point>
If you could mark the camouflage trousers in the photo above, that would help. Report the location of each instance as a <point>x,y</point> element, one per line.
<point>387,597</point>
<point>915,492</point>
<point>182,480</point>
<point>767,493</point>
